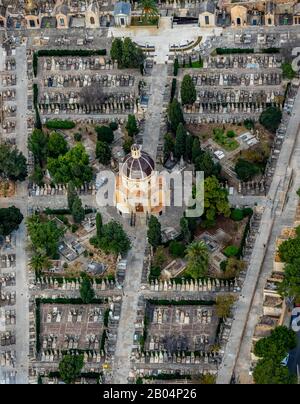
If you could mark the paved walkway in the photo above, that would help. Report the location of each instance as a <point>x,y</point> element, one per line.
<point>269,229</point>
<point>122,363</point>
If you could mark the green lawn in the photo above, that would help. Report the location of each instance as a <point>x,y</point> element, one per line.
<point>227,143</point>
<point>138,22</point>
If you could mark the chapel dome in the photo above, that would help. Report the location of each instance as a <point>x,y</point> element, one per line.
<point>138,165</point>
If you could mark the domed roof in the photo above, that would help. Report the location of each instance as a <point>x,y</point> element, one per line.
<point>138,165</point>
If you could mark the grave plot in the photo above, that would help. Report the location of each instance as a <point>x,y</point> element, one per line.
<point>8,108</point>
<point>232,88</point>
<point>86,85</point>
<point>179,337</point>
<point>74,328</point>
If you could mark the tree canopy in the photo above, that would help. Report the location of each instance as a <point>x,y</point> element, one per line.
<point>215,200</point>
<point>73,166</point>
<point>180,141</point>
<point>10,219</point>
<point>87,292</point>
<point>197,260</point>
<point>38,145</point>
<point>13,165</point>
<point>175,115</point>
<point>57,145</point>
<point>131,126</point>
<point>154,232</point>
<point>272,350</point>
<point>113,239</point>
<point>103,153</point>
<point>105,134</point>
<point>188,90</point>
<point>44,235</point>
<point>70,368</point>
<point>271,118</point>
<point>245,170</point>
<point>204,162</point>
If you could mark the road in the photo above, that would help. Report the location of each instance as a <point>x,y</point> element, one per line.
<point>275,216</point>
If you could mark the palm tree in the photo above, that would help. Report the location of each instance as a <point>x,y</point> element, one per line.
<point>150,9</point>
<point>197,259</point>
<point>39,262</point>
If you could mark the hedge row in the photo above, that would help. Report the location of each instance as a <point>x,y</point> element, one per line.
<point>229,51</point>
<point>60,124</point>
<point>65,211</point>
<point>182,302</point>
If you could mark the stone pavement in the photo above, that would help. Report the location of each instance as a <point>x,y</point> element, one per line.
<point>131,293</point>
<point>274,214</point>
<point>155,110</point>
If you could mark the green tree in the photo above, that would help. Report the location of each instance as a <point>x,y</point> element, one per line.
<point>37,177</point>
<point>237,215</point>
<point>38,145</point>
<point>99,224</point>
<point>277,345</point>
<point>289,250</point>
<point>113,239</point>
<point>197,260</point>
<point>180,141</point>
<point>13,164</point>
<point>269,372</point>
<point>215,200</point>
<point>185,230</point>
<point>154,232</point>
<point>188,90</point>
<point>245,170</point>
<point>105,134</point>
<point>73,166</point>
<point>103,153</point>
<point>71,194</point>
<point>196,149</point>
<point>87,293</point>
<point>205,163</point>
<point>288,71</point>
<point>77,210</point>
<point>44,236</point>
<point>39,262</point>
<point>223,305</point>
<point>231,251</point>
<point>290,286</point>
<point>132,55</point>
<point>116,52</point>
<point>271,118</point>
<point>149,9</point>
<point>233,267</point>
<point>128,142</point>
<point>10,219</point>
<point>70,368</point>
<point>131,126</point>
<point>177,249</point>
<point>57,145</point>
<point>175,115</point>
<point>169,145</point>
<point>189,141</point>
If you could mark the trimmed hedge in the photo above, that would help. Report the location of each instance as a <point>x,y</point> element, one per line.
<point>229,51</point>
<point>64,52</point>
<point>60,124</point>
<point>182,302</point>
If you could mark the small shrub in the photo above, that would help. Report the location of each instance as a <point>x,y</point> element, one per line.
<point>74,228</point>
<point>249,124</point>
<point>78,137</point>
<point>113,126</point>
<point>231,251</point>
<point>231,134</point>
<point>105,134</point>
<point>177,249</point>
<point>237,215</point>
